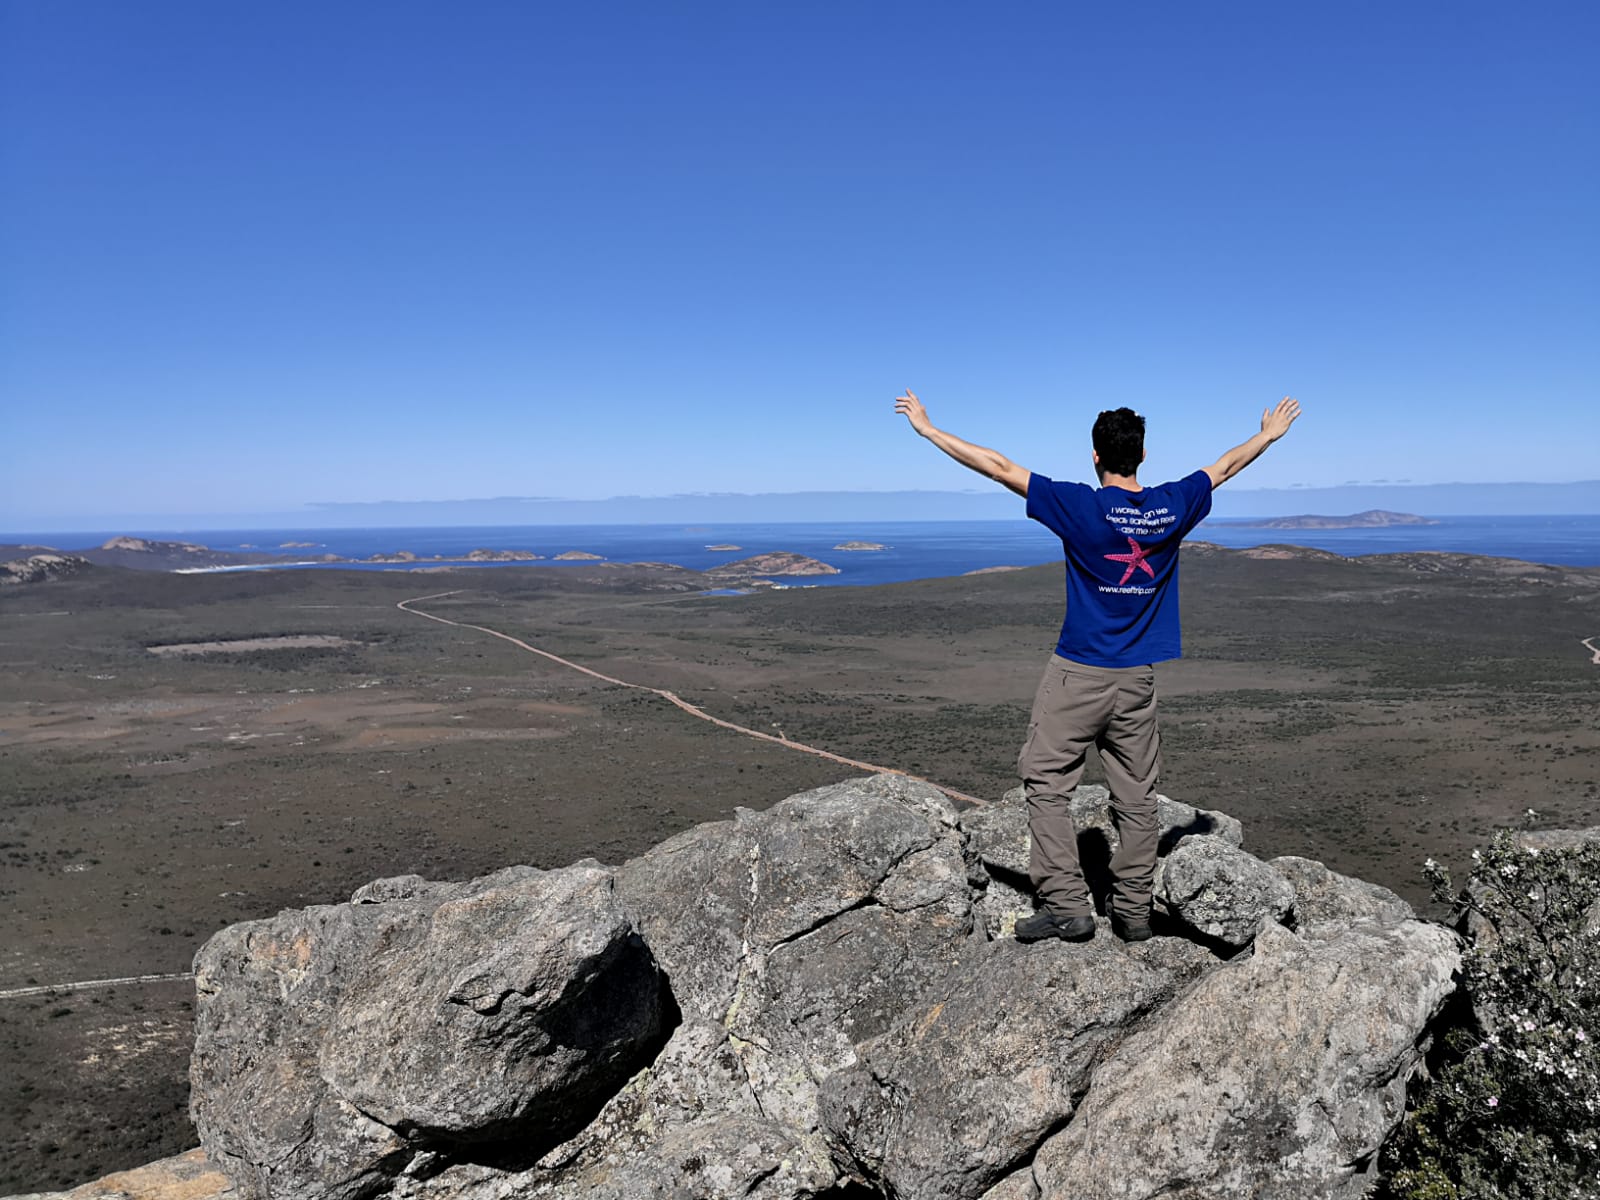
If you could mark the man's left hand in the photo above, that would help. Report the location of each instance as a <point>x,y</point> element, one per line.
<point>909,406</point>
<point>1275,422</point>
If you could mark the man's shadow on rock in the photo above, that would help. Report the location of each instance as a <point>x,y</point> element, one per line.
<point>1094,853</point>
<point>1094,856</point>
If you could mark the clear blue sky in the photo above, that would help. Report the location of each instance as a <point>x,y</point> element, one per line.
<point>267,254</point>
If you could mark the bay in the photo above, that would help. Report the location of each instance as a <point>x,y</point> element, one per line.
<point>912,549</point>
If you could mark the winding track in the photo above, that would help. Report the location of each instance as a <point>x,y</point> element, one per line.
<point>1589,643</point>
<point>44,989</point>
<point>679,701</point>
<point>670,697</point>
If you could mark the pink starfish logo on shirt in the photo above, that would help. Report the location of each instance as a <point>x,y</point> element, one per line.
<point>1134,558</point>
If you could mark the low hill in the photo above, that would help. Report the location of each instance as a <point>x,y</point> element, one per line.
<point>1375,518</point>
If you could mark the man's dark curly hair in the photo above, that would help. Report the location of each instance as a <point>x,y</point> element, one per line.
<point>1119,441</point>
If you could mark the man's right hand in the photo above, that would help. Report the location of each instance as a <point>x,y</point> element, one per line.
<point>909,406</point>
<point>1275,422</point>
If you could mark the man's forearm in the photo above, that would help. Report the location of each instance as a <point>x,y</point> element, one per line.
<point>979,458</point>
<point>1241,456</point>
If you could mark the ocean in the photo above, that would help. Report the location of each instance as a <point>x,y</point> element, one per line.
<point>913,549</point>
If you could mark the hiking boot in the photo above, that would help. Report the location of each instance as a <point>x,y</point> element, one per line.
<point>1131,929</point>
<point>1046,924</point>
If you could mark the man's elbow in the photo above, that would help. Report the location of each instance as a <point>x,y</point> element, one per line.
<point>1013,477</point>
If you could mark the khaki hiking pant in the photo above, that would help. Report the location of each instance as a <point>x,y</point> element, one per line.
<point>1113,709</point>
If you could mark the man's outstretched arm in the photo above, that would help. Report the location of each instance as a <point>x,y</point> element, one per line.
<point>1275,423</point>
<point>980,458</point>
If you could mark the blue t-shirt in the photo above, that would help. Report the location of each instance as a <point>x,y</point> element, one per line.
<point>1122,565</point>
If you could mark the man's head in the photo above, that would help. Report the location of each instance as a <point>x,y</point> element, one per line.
<point>1118,442</point>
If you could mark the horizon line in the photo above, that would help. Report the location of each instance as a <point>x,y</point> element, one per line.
<point>151,531</point>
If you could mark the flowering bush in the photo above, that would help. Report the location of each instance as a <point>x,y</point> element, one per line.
<point>1514,1111</point>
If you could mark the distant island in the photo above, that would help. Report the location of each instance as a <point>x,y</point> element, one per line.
<point>779,563</point>
<point>503,556</point>
<point>861,546</point>
<point>1375,518</point>
<point>476,556</point>
<point>725,546</point>
<point>578,556</point>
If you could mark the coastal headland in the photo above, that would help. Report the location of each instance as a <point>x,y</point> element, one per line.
<point>1374,518</point>
<point>311,736</point>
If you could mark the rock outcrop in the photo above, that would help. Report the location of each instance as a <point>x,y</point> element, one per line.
<point>40,568</point>
<point>820,1001</point>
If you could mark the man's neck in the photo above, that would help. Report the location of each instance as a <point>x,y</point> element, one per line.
<point>1128,483</point>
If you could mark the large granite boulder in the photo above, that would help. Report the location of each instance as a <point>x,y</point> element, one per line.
<point>335,1044</point>
<point>522,1002</point>
<point>1277,1076</point>
<point>805,1003</point>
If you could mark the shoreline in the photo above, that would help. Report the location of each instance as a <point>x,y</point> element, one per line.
<point>1264,550</point>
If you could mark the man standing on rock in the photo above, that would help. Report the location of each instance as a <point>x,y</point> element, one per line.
<point>1121,546</point>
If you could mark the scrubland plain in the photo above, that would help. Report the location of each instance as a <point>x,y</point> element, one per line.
<point>1368,713</point>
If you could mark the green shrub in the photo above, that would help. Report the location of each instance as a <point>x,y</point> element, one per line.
<point>1514,1111</point>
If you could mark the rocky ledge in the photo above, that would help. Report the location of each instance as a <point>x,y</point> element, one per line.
<point>820,1000</point>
